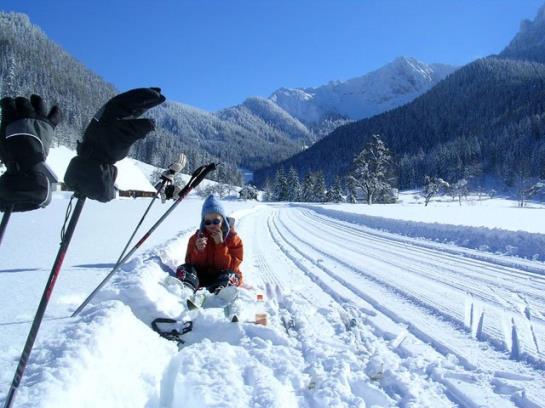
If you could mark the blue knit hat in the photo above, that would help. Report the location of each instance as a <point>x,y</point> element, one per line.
<point>213,205</point>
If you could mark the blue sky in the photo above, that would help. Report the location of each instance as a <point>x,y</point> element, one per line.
<point>214,53</point>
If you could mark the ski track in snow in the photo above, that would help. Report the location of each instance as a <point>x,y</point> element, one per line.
<point>493,295</point>
<point>403,298</point>
<point>356,318</point>
<point>379,376</point>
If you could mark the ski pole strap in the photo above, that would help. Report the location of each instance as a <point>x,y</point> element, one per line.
<point>173,334</point>
<point>198,175</point>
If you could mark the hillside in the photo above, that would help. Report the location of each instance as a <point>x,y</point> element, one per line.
<point>487,117</point>
<point>252,135</point>
<point>31,63</point>
<point>529,43</point>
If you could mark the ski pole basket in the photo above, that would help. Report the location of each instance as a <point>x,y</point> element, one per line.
<point>173,335</point>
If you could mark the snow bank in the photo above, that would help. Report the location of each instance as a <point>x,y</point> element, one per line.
<point>474,212</point>
<point>105,335</point>
<point>335,337</point>
<point>106,345</point>
<point>496,240</point>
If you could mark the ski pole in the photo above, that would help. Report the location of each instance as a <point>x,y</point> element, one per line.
<point>91,174</point>
<point>161,185</point>
<point>197,176</point>
<point>65,241</point>
<point>4,223</point>
<point>166,177</point>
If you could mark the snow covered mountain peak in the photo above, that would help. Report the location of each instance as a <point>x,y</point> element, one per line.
<point>388,87</point>
<point>411,65</point>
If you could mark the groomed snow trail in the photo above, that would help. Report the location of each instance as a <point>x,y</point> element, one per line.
<point>485,320</point>
<point>356,318</point>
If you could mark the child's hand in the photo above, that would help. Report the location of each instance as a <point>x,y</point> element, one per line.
<point>201,242</point>
<point>218,237</point>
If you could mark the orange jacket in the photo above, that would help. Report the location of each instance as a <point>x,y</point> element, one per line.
<point>216,257</point>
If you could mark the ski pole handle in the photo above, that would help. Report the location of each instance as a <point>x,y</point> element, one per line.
<point>196,178</point>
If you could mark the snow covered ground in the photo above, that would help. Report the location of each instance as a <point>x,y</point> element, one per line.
<point>362,309</point>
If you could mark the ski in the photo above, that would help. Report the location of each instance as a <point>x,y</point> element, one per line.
<point>232,310</point>
<point>226,299</point>
<point>202,300</point>
<point>196,300</point>
<point>223,298</point>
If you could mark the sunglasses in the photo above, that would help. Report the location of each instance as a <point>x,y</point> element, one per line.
<point>215,221</point>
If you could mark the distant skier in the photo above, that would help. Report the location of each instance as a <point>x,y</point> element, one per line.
<point>214,252</point>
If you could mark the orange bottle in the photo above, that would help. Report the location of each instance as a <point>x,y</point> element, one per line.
<point>261,315</point>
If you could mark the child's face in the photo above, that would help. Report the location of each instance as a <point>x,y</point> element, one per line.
<point>213,222</point>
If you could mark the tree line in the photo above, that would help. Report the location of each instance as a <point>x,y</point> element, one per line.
<point>371,179</point>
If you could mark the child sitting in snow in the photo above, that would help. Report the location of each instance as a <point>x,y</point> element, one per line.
<point>214,252</point>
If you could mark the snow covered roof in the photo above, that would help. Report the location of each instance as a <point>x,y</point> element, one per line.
<point>129,176</point>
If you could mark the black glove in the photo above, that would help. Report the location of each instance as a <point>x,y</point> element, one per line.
<point>171,191</point>
<point>107,139</point>
<point>26,132</point>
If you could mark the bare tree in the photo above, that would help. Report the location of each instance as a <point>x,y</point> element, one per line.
<point>432,185</point>
<point>530,192</point>
<point>460,189</point>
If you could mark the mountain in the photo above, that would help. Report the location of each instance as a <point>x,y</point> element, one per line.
<point>252,135</point>
<point>31,63</point>
<point>263,116</point>
<point>271,132</point>
<point>391,86</point>
<point>487,117</point>
<point>529,43</point>
<point>237,136</point>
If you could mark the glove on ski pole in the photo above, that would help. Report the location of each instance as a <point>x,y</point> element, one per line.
<point>165,185</point>
<point>107,139</point>
<point>26,132</point>
<point>172,170</point>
